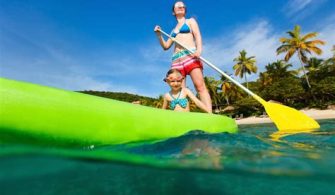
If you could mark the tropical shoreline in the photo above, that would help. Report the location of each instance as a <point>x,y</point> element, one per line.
<point>314,113</point>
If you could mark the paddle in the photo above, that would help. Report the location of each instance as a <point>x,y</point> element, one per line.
<point>285,118</point>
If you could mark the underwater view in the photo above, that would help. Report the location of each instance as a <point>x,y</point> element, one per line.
<point>255,160</point>
<point>89,90</point>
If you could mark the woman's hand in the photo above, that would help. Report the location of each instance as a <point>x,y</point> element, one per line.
<point>196,54</point>
<point>157,30</point>
<point>165,44</point>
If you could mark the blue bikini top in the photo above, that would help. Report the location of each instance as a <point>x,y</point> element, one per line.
<point>183,29</point>
<point>181,101</point>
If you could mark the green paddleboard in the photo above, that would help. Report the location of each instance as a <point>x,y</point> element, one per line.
<point>57,115</point>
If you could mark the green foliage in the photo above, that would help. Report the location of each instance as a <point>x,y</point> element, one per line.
<point>213,86</point>
<point>126,97</point>
<point>324,69</point>
<point>281,84</point>
<point>248,106</point>
<point>301,45</point>
<point>324,90</point>
<point>278,69</point>
<point>287,90</point>
<point>244,65</point>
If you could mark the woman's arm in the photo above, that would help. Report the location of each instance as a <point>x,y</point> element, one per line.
<point>197,37</point>
<point>197,102</point>
<point>165,44</point>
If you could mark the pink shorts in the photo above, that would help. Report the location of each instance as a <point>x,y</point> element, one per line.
<point>185,63</point>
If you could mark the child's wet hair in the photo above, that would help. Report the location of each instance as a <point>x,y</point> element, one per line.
<point>171,71</point>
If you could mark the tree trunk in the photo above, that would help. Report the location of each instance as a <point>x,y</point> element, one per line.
<point>303,70</point>
<point>227,100</point>
<point>245,77</point>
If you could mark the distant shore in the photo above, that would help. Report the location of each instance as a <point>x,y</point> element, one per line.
<point>314,113</point>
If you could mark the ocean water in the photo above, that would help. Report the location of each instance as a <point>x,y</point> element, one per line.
<point>254,161</point>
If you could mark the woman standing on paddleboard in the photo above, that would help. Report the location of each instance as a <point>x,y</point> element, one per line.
<point>187,32</point>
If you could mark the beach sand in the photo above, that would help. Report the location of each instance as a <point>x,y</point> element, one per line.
<point>313,113</point>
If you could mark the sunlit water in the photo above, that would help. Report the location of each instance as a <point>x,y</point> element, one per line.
<point>251,161</point>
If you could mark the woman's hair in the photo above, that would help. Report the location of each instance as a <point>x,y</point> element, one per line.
<point>171,71</point>
<point>176,3</point>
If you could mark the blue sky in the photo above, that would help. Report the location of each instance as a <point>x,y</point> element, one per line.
<point>110,45</point>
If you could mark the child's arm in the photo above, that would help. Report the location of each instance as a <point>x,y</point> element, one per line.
<point>165,103</point>
<point>196,100</point>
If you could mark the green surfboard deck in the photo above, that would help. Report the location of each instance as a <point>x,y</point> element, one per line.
<point>64,116</point>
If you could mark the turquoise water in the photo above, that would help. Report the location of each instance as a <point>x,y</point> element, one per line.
<point>253,161</point>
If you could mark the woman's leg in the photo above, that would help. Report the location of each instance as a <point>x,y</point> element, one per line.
<point>183,84</point>
<point>199,84</point>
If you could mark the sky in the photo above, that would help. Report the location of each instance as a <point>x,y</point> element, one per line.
<point>108,45</point>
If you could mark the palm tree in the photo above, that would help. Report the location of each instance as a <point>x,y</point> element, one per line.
<point>244,65</point>
<point>299,44</point>
<point>328,66</point>
<point>159,102</point>
<point>212,86</point>
<point>226,87</point>
<point>331,60</point>
<point>193,106</point>
<point>229,90</point>
<point>279,69</point>
<point>313,64</point>
<point>264,79</point>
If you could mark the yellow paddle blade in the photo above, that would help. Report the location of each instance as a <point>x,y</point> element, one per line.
<point>288,119</point>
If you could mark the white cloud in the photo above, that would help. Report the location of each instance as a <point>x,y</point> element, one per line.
<point>327,33</point>
<point>106,69</point>
<point>300,9</point>
<point>295,6</point>
<point>257,38</point>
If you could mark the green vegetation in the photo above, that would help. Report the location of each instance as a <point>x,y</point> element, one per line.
<point>301,45</point>
<point>314,89</point>
<point>279,83</point>
<point>244,65</point>
<point>126,97</point>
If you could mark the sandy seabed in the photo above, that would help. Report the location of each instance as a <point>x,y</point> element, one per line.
<point>313,113</point>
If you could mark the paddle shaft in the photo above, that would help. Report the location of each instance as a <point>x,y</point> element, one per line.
<point>215,68</point>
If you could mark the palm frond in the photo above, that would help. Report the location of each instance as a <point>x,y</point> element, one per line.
<point>284,40</point>
<point>316,50</point>
<point>292,34</point>
<point>283,48</point>
<point>316,42</point>
<point>296,30</point>
<point>309,36</point>
<point>289,54</point>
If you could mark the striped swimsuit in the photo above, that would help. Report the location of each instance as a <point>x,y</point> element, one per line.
<point>184,62</point>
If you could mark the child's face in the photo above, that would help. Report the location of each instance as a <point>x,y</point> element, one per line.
<point>175,80</point>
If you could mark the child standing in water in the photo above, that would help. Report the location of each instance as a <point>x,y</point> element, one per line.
<point>176,98</point>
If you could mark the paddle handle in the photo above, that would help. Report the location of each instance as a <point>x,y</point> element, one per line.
<point>216,68</point>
